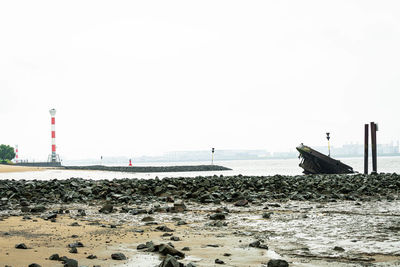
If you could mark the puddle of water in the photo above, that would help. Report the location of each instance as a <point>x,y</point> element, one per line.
<point>143,260</point>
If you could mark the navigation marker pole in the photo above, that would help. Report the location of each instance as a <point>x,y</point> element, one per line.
<point>329,145</point>
<point>212,156</point>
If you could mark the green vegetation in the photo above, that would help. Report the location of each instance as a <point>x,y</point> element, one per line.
<point>6,153</point>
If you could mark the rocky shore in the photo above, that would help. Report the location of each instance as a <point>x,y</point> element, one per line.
<point>212,189</point>
<point>320,220</point>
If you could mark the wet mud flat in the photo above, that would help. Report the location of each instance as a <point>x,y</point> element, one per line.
<point>303,233</point>
<point>232,221</point>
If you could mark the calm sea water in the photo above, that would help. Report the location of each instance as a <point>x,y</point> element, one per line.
<point>244,167</point>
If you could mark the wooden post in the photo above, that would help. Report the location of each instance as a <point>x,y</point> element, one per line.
<point>373,147</point>
<point>366,149</point>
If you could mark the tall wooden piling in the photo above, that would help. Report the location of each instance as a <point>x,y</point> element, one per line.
<point>366,149</point>
<point>373,147</point>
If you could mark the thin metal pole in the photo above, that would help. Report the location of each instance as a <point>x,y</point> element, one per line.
<point>366,148</point>
<point>373,143</point>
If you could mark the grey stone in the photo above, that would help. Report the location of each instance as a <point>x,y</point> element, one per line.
<point>217,216</point>
<point>21,246</point>
<point>277,263</point>
<point>118,256</point>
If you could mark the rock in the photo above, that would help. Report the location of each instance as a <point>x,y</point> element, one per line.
<point>21,246</point>
<point>107,208</point>
<point>147,219</point>
<point>339,249</point>
<point>73,250</point>
<point>258,244</point>
<point>218,261</point>
<point>217,224</point>
<point>81,212</point>
<point>185,249</point>
<point>38,208</point>
<point>241,203</point>
<point>165,249</point>
<point>137,211</point>
<point>25,209</point>
<point>274,205</point>
<point>217,216</point>
<point>91,257</point>
<point>181,222</point>
<point>75,245</point>
<point>267,215</point>
<point>255,244</point>
<point>34,265</point>
<point>166,234</point>
<point>49,216</point>
<point>164,228</point>
<point>141,246</point>
<point>54,257</point>
<point>151,247</point>
<point>70,263</point>
<point>64,259</point>
<point>227,254</point>
<point>170,261</point>
<point>118,256</point>
<point>158,190</point>
<point>175,238</point>
<point>277,263</point>
<point>179,207</point>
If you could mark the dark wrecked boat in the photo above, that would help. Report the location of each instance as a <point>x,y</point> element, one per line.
<point>314,162</point>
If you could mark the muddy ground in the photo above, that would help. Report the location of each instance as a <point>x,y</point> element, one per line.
<point>304,233</point>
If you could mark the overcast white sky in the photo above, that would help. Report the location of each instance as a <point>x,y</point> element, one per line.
<point>129,78</point>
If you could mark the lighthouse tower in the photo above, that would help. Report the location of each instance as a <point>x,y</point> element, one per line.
<point>53,156</point>
<point>16,153</point>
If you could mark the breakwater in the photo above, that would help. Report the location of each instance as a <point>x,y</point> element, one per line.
<point>193,168</point>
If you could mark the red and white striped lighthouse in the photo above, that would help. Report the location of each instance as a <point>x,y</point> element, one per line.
<point>16,153</point>
<point>53,135</point>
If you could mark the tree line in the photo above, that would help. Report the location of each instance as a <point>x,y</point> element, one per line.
<point>7,153</point>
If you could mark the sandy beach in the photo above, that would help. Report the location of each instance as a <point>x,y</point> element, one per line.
<point>13,168</point>
<point>206,221</point>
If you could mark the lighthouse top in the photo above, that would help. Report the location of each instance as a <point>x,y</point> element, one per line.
<point>52,112</point>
